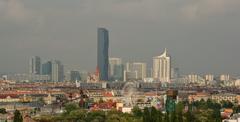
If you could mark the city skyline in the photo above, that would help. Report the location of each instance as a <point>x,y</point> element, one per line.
<point>200,40</point>
<point>119,60</point>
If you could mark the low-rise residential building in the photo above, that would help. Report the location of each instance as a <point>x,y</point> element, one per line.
<point>225,97</point>
<point>9,98</point>
<point>198,97</point>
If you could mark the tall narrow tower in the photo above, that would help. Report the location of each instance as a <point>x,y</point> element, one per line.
<point>35,65</point>
<point>102,54</point>
<point>162,67</point>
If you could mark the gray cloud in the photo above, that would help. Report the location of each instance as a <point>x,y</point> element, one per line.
<point>202,35</point>
<point>205,8</point>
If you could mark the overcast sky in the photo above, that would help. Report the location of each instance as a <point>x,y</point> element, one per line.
<point>202,36</point>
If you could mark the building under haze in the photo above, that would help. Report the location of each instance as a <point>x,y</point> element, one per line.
<point>35,65</point>
<point>102,53</point>
<point>47,68</point>
<point>57,74</point>
<point>116,69</point>
<point>175,73</point>
<point>75,76</point>
<point>209,77</point>
<point>162,67</point>
<point>224,77</point>
<point>135,70</point>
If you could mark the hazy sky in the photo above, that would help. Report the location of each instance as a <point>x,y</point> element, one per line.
<point>202,36</point>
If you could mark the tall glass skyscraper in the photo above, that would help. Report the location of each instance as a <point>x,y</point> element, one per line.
<point>54,69</point>
<point>102,54</point>
<point>47,68</point>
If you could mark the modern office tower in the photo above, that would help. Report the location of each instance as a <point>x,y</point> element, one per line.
<point>115,69</point>
<point>162,67</point>
<point>175,73</point>
<point>209,77</point>
<point>224,77</point>
<point>47,68</point>
<point>35,65</point>
<point>75,76</point>
<point>118,72</point>
<point>57,71</point>
<point>141,69</point>
<point>136,70</point>
<point>102,54</point>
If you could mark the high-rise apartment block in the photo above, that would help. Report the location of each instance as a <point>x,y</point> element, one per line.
<point>162,67</point>
<point>209,77</point>
<point>224,77</point>
<point>57,74</point>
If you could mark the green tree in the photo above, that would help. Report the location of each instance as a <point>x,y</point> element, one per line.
<point>217,115</point>
<point>70,107</point>
<point>160,116</point>
<point>236,109</point>
<point>77,115</point>
<point>173,116</point>
<point>3,111</point>
<point>97,116</point>
<point>189,116</point>
<point>113,118</point>
<point>209,103</point>
<point>137,112</point>
<point>154,114</point>
<point>204,115</point>
<point>41,101</point>
<point>146,115</point>
<point>150,114</point>
<point>179,112</point>
<point>17,116</point>
<point>227,104</point>
<point>166,117</point>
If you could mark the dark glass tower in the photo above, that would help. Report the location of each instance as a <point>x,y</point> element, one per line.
<point>102,56</point>
<point>47,68</point>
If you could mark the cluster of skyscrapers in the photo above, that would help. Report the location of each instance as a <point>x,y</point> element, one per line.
<point>108,69</point>
<point>113,68</point>
<point>47,71</point>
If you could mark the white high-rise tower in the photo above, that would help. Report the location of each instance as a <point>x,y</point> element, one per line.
<point>162,67</point>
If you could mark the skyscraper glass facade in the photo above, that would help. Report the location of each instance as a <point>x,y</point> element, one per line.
<point>102,54</point>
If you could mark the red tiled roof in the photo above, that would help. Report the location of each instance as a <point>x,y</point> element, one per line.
<point>4,96</point>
